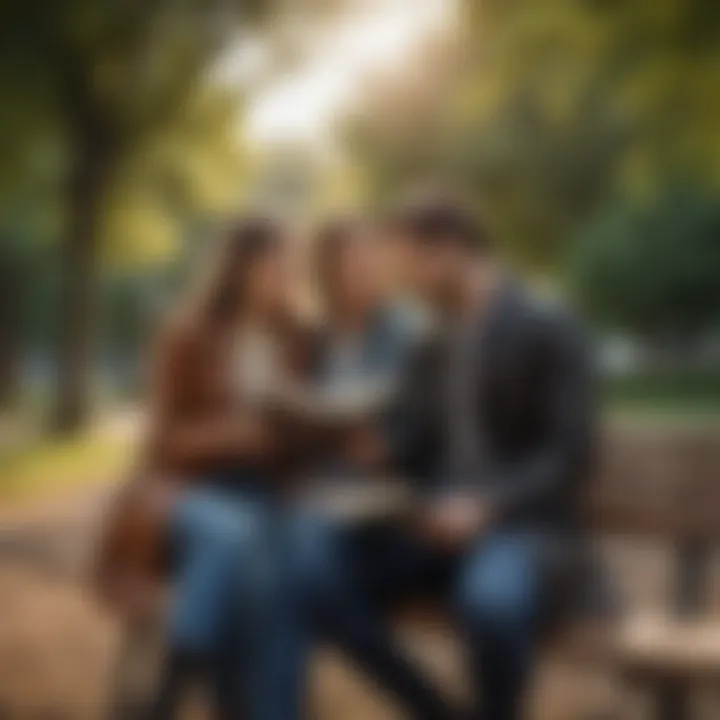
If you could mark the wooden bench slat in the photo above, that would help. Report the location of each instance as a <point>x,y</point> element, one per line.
<point>669,522</point>
<point>682,649</point>
<point>647,646</point>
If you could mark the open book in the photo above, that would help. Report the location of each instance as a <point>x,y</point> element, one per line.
<point>262,381</point>
<point>345,402</point>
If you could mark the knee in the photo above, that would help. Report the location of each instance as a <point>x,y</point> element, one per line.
<point>493,607</point>
<point>496,595</point>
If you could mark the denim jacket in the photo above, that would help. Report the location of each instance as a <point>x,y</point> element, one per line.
<point>381,355</point>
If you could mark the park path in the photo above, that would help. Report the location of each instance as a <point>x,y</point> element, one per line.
<point>55,643</point>
<point>53,536</point>
<point>57,646</point>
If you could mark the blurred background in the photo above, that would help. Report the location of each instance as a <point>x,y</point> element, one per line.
<point>130,130</point>
<point>585,129</point>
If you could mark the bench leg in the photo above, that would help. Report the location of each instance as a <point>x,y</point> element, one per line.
<point>672,702</point>
<point>673,698</point>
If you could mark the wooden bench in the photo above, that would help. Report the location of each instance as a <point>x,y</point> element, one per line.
<point>661,486</point>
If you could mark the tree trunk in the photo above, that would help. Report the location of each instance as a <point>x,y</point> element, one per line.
<point>79,270</point>
<point>11,289</point>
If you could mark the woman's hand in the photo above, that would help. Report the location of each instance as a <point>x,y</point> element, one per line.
<point>365,448</point>
<point>252,433</point>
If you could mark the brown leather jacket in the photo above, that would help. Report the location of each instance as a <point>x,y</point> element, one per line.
<point>196,427</point>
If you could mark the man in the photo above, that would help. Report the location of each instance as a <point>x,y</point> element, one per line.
<point>498,417</point>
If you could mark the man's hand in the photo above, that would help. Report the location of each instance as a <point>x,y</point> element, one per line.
<point>454,521</point>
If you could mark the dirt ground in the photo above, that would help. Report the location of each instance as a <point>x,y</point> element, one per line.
<point>56,652</point>
<point>57,647</point>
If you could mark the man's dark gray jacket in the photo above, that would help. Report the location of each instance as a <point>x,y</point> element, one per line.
<point>530,388</point>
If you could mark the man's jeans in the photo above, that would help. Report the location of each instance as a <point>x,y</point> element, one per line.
<point>230,601</point>
<point>492,592</point>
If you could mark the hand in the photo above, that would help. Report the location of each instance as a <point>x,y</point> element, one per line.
<point>454,521</point>
<point>365,448</point>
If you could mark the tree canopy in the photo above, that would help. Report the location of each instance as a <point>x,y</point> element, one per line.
<point>652,269</point>
<point>111,101</point>
<point>545,111</point>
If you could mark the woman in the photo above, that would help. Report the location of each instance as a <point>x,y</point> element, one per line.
<point>223,455</point>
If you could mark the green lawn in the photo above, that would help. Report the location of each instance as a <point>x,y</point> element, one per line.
<point>663,416</point>
<point>41,468</point>
<point>665,398</point>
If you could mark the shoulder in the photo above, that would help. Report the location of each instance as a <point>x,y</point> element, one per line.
<point>552,327</point>
<point>403,333</point>
<point>406,323</point>
<point>409,318</point>
<point>541,312</point>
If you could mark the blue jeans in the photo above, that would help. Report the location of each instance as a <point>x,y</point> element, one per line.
<point>342,608</point>
<point>492,592</point>
<point>230,600</point>
<point>496,599</point>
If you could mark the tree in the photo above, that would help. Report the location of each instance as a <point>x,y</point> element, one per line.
<point>27,213</point>
<point>104,81</point>
<point>652,268</point>
<point>619,95</point>
<point>11,301</point>
<point>545,111</point>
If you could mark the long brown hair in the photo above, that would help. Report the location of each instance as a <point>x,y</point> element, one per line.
<point>222,291</point>
<point>223,288</point>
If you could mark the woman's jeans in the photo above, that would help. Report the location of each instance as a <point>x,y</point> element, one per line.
<point>230,601</point>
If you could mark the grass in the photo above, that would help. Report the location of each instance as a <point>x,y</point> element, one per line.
<point>41,468</point>
<point>662,416</point>
<point>665,398</point>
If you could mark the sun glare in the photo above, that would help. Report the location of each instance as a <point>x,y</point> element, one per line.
<point>302,106</point>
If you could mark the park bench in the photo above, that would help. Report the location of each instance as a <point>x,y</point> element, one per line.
<point>659,486</point>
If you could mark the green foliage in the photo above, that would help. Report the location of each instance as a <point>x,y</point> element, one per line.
<point>652,268</point>
<point>133,79</point>
<point>112,117</point>
<point>544,111</point>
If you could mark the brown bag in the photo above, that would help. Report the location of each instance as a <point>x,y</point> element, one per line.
<point>132,552</point>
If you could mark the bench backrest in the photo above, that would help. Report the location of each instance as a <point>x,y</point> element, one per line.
<point>661,482</point>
